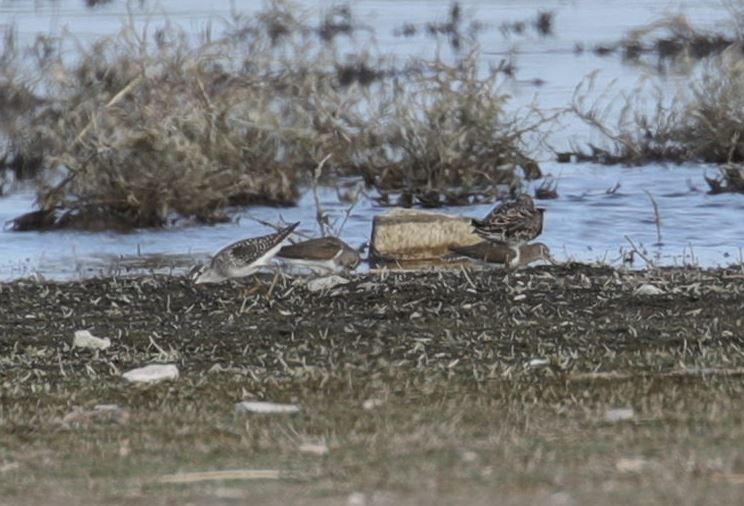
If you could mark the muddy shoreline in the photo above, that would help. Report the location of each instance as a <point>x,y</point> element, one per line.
<point>450,385</point>
<point>419,320</point>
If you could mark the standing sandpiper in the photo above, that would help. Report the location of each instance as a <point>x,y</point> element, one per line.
<point>242,258</point>
<point>513,223</point>
<point>322,255</point>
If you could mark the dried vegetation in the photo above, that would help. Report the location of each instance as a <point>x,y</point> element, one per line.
<point>468,388</point>
<point>151,125</point>
<point>703,121</point>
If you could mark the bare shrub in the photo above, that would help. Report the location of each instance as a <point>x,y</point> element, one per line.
<point>150,130</point>
<point>446,127</point>
<point>147,127</point>
<point>713,122</point>
<point>703,121</point>
<point>644,128</point>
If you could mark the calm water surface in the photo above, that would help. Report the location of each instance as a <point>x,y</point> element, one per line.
<point>586,223</point>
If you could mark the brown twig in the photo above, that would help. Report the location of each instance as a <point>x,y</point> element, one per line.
<point>657,216</point>
<point>648,261</point>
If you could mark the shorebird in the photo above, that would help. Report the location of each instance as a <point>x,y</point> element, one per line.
<point>242,258</point>
<point>512,223</point>
<point>502,254</point>
<point>322,255</point>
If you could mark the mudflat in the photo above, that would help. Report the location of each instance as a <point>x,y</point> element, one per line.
<point>553,385</point>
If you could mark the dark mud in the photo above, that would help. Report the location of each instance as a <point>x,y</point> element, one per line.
<point>481,385</point>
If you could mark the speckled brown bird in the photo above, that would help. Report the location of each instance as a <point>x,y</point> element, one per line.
<point>513,223</point>
<point>243,258</point>
<point>322,255</point>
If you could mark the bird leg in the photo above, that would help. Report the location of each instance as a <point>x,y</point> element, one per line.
<point>253,289</point>
<point>512,258</point>
<point>273,284</point>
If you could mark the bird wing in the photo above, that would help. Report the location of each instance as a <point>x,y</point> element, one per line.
<point>485,251</point>
<point>323,248</point>
<point>248,250</point>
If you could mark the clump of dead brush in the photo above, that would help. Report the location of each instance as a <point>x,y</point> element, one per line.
<point>150,126</point>
<point>702,122</point>
<point>641,133</point>
<point>21,156</point>
<point>445,127</point>
<point>713,118</point>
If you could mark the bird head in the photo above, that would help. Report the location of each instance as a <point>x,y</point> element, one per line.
<point>205,274</point>
<point>534,252</point>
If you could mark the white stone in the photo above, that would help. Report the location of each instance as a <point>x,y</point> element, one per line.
<point>631,465</point>
<point>84,339</point>
<point>325,283</point>
<point>371,404</point>
<point>266,407</point>
<point>469,456</point>
<point>619,414</point>
<point>152,373</point>
<point>315,449</point>
<point>538,362</point>
<point>368,285</point>
<point>356,499</point>
<point>648,289</point>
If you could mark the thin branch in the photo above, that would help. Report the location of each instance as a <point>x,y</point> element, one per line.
<point>648,261</point>
<point>657,216</point>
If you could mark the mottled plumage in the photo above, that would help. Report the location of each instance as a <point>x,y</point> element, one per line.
<point>243,257</point>
<point>502,254</point>
<point>325,254</point>
<point>512,223</point>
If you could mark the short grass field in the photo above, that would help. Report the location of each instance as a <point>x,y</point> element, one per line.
<point>557,385</point>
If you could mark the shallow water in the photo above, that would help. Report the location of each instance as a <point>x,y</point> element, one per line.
<point>586,223</point>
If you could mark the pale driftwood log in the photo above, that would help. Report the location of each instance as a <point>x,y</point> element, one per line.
<point>411,234</point>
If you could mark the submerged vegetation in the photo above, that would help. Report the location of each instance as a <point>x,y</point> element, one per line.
<point>151,125</point>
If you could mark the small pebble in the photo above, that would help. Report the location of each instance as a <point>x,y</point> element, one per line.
<point>325,283</point>
<point>371,404</point>
<point>356,499</point>
<point>315,449</point>
<point>84,339</point>
<point>152,373</point>
<point>619,414</point>
<point>648,289</point>
<point>265,407</point>
<point>631,465</point>
<point>538,362</point>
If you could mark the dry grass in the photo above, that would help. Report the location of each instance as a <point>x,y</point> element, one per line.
<point>151,125</point>
<point>430,388</point>
<point>447,132</point>
<point>702,122</point>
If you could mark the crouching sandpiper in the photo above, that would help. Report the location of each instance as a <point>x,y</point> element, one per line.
<point>322,255</point>
<point>242,258</point>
